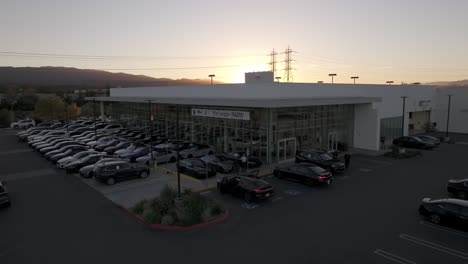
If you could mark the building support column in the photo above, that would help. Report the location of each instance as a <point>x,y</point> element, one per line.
<point>101,107</point>
<point>269,136</point>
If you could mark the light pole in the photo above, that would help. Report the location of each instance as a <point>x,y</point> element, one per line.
<point>403,116</point>
<point>211,76</point>
<point>389,82</point>
<point>66,115</point>
<point>354,78</point>
<point>150,115</point>
<point>278,78</point>
<point>178,147</point>
<point>448,115</point>
<point>94,118</point>
<point>332,75</point>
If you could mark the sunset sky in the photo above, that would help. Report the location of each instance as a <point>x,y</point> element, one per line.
<point>377,40</point>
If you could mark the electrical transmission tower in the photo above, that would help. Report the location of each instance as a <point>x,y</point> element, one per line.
<point>288,75</point>
<point>273,61</point>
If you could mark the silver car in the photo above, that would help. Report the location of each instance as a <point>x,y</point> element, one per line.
<point>63,162</point>
<point>196,151</point>
<point>160,156</point>
<point>86,171</point>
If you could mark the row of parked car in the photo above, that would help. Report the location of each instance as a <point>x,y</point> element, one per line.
<point>310,168</point>
<point>419,142</point>
<point>109,152</point>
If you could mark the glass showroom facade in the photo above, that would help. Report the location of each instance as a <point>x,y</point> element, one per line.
<point>271,134</point>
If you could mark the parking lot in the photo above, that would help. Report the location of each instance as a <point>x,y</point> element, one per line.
<point>368,215</point>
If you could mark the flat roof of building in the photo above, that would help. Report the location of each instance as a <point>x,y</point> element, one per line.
<point>243,102</point>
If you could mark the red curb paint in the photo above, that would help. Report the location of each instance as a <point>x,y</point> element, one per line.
<point>177,228</point>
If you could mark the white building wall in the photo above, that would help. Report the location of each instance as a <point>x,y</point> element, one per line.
<point>458,109</point>
<point>366,127</point>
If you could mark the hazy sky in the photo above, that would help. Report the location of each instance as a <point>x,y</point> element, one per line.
<point>378,40</point>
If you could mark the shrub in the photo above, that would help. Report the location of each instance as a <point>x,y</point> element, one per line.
<point>167,220</point>
<point>216,209</point>
<point>168,195</point>
<point>152,217</point>
<point>139,207</point>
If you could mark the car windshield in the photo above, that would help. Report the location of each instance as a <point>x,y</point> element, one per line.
<point>325,156</point>
<point>198,163</point>
<point>88,158</point>
<point>79,155</point>
<point>416,138</point>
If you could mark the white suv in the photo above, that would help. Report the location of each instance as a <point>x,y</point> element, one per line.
<point>25,123</point>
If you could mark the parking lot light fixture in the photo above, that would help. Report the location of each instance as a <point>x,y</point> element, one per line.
<point>150,117</point>
<point>448,115</point>
<point>178,149</point>
<point>332,75</point>
<point>94,118</point>
<point>211,76</point>
<point>403,116</point>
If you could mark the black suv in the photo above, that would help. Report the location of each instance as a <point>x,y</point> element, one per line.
<point>322,159</point>
<point>4,197</point>
<point>459,188</point>
<point>113,171</point>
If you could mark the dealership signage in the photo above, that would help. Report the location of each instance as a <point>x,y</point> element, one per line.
<point>228,114</point>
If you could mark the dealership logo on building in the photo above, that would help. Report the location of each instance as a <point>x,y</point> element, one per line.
<point>239,115</point>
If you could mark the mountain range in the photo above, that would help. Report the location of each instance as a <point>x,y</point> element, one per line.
<point>64,76</point>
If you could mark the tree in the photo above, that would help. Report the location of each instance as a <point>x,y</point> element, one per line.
<point>4,118</point>
<point>53,107</point>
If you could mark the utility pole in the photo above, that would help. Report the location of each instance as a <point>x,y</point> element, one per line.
<point>94,118</point>
<point>178,149</point>
<point>278,78</point>
<point>211,76</point>
<point>288,69</point>
<point>448,115</point>
<point>150,115</point>
<point>354,78</point>
<point>332,75</point>
<point>273,61</point>
<point>403,116</point>
<point>66,114</point>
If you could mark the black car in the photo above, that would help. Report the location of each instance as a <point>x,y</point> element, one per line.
<point>49,143</point>
<point>138,152</point>
<point>4,197</point>
<point>101,147</point>
<point>69,152</point>
<point>222,162</point>
<point>75,166</point>
<point>121,145</point>
<point>459,188</point>
<point>64,149</point>
<point>57,146</point>
<point>413,142</point>
<point>430,139</point>
<point>307,174</point>
<point>445,211</point>
<point>197,168</point>
<point>110,172</point>
<point>252,162</point>
<point>322,159</point>
<point>247,188</point>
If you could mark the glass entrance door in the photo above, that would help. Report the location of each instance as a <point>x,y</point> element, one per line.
<point>286,149</point>
<point>332,143</point>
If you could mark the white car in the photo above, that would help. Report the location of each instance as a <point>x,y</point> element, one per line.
<point>64,161</point>
<point>25,123</point>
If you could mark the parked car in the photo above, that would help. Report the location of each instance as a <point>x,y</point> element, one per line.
<point>448,211</point>
<point>114,148</point>
<point>75,166</point>
<point>53,142</point>
<point>458,187</point>
<point>4,197</point>
<point>247,188</point>
<point>428,138</point>
<point>252,162</point>
<point>87,171</point>
<point>128,149</point>
<point>132,156</point>
<point>102,146</point>
<point>222,162</point>
<point>307,174</point>
<point>322,159</point>
<point>24,136</point>
<point>159,155</point>
<point>61,163</point>
<point>25,123</point>
<point>197,168</point>
<point>413,142</point>
<point>111,172</point>
<point>196,150</point>
<point>64,149</point>
<point>70,152</point>
<point>109,128</point>
<point>79,131</point>
<point>57,146</point>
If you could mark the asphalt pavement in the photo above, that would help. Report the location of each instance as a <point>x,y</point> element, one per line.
<point>368,215</point>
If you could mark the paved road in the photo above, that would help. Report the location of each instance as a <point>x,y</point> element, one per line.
<point>366,216</point>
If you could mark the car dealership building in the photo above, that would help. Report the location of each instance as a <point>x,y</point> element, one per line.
<point>272,120</point>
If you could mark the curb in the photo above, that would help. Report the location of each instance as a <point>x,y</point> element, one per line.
<point>177,228</point>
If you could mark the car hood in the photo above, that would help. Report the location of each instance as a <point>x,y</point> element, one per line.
<point>457,180</point>
<point>66,160</point>
<point>58,155</point>
<point>87,168</point>
<point>74,163</point>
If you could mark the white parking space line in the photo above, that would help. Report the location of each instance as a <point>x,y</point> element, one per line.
<point>435,246</point>
<point>446,229</point>
<point>393,257</point>
<point>27,174</point>
<point>15,151</point>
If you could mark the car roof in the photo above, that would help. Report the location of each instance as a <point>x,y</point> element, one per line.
<point>451,201</point>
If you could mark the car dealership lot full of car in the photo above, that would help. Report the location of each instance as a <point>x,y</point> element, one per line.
<point>294,190</point>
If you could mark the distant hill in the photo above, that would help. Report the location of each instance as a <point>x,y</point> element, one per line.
<point>67,77</point>
<point>454,83</point>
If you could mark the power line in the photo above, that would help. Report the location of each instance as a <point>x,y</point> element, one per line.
<point>106,57</point>
<point>174,68</point>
